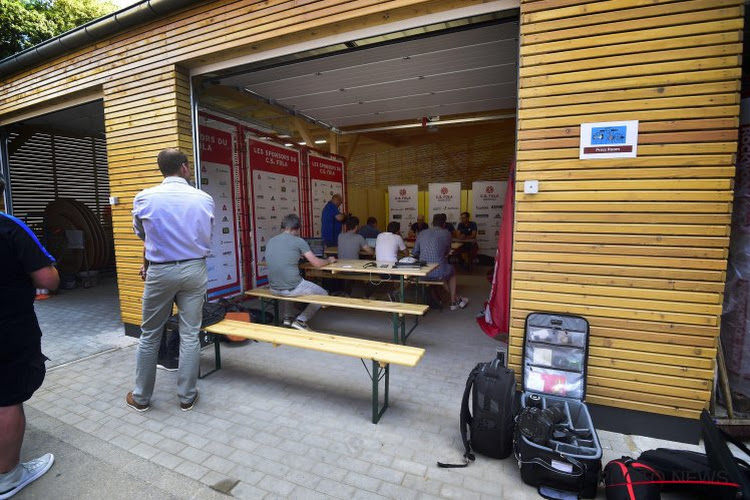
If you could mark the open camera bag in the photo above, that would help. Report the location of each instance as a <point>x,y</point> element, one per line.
<point>569,464</point>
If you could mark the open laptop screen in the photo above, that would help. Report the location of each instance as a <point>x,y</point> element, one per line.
<point>316,246</point>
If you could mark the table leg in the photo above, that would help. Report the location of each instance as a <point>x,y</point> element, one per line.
<point>376,375</point>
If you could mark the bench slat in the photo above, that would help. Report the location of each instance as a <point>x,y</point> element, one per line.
<point>349,302</point>
<point>335,344</point>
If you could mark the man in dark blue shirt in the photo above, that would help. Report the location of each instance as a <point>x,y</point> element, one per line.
<point>370,230</point>
<point>467,230</point>
<point>24,266</point>
<point>330,221</point>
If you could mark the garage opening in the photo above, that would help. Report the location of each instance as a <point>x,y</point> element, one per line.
<point>427,114</point>
<point>58,184</point>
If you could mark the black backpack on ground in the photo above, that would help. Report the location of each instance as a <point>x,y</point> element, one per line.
<point>212,314</point>
<point>488,427</point>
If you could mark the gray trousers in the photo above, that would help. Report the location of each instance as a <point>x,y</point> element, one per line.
<point>304,288</point>
<point>183,283</point>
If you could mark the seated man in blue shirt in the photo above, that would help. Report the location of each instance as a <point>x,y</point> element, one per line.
<point>370,230</point>
<point>433,245</point>
<point>331,220</point>
<point>467,230</point>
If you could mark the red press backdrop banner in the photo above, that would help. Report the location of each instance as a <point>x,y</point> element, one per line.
<point>326,179</point>
<point>275,192</point>
<point>218,180</point>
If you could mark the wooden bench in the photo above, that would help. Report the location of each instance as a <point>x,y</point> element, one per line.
<point>398,310</point>
<point>382,354</point>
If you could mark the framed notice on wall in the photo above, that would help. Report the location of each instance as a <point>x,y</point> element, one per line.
<point>218,180</point>
<point>326,179</point>
<point>403,205</point>
<point>609,140</point>
<point>445,198</point>
<point>488,198</point>
<point>275,193</point>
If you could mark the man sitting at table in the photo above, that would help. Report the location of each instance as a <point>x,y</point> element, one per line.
<point>418,226</point>
<point>389,244</point>
<point>370,230</point>
<point>283,253</point>
<point>433,245</point>
<point>350,243</point>
<point>467,230</point>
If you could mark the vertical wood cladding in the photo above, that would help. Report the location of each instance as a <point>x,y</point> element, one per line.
<point>137,130</point>
<point>638,246</point>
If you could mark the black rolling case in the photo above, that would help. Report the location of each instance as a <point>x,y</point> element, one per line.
<point>555,442</point>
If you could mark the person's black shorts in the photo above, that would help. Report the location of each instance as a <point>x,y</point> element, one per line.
<point>22,367</point>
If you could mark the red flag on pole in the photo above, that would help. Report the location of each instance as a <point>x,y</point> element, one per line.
<point>496,319</point>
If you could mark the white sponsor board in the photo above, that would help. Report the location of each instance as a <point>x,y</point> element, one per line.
<point>403,206</point>
<point>488,198</point>
<point>445,198</point>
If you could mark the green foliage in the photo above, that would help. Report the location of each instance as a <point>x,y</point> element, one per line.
<point>25,23</point>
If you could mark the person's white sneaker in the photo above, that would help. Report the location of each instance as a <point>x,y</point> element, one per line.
<point>459,304</point>
<point>301,325</point>
<point>31,471</point>
<point>288,320</point>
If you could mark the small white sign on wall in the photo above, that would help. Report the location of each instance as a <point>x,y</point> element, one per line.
<point>609,140</point>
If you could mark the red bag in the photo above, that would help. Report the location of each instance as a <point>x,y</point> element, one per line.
<point>627,479</point>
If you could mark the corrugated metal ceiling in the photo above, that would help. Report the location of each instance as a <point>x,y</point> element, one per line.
<point>468,71</point>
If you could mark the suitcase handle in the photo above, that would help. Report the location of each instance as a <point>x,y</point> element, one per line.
<point>554,494</point>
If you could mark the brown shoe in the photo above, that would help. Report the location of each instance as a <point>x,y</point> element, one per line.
<point>189,406</point>
<point>137,407</point>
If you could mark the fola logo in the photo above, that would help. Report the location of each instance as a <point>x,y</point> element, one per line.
<point>402,192</point>
<point>444,195</point>
<point>490,194</point>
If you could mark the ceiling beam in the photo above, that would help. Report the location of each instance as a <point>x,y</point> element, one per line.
<point>301,127</point>
<point>333,142</point>
<point>351,147</point>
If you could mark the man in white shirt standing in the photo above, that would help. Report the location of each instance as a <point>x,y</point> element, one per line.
<point>174,220</point>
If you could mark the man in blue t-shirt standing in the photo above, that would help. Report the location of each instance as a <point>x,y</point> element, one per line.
<point>331,220</point>
<point>24,266</point>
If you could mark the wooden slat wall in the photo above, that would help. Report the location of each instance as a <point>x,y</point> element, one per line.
<point>637,246</point>
<point>137,71</point>
<point>135,135</point>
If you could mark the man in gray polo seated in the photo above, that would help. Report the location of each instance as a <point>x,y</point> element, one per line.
<point>283,254</point>
<point>350,243</point>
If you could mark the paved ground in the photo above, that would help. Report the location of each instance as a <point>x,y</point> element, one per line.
<point>81,322</point>
<point>273,423</point>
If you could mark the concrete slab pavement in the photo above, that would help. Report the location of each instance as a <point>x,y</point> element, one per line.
<point>280,422</point>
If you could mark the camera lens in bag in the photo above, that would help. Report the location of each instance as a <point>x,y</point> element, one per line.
<point>534,401</point>
<point>538,425</point>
